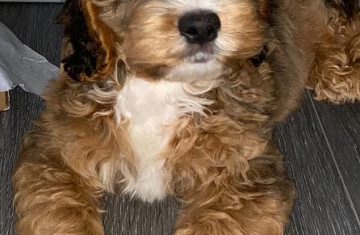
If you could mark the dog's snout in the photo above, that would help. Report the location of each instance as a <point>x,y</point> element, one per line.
<point>199,27</point>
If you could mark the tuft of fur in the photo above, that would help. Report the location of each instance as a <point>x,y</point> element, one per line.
<point>335,75</point>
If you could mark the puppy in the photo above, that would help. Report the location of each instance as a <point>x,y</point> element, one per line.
<point>179,97</point>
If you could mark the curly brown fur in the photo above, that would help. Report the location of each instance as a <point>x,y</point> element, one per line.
<point>335,75</point>
<point>212,148</point>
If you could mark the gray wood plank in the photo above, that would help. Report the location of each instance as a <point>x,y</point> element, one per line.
<point>340,125</point>
<point>126,216</point>
<point>322,207</point>
<point>14,124</point>
<point>33,24</point>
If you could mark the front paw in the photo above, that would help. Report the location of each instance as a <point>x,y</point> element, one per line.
<point>234,222</point>
<point>216,224</point>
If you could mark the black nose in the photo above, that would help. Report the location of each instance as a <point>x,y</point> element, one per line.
<point>199,27</point>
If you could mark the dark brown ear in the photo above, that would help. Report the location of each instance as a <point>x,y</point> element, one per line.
<point>89,47</point>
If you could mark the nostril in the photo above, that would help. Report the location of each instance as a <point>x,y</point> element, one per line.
<point>199,27</point>
<point>212,32</point>
<point>192,32</point>
<point>214,21</point>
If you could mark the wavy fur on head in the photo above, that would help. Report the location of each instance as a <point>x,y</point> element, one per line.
<point>151,119</point>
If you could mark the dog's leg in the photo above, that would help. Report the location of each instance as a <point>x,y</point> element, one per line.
<point>66,164</point>
<point>52,199</point>
<point>258,204</point>
<point>70,157</point>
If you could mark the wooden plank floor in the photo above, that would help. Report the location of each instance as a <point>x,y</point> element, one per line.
<point>321,143</point>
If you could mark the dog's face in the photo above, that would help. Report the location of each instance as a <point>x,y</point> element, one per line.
<point>184,40</point>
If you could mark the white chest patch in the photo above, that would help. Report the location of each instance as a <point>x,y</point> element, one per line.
<point>151,108</point>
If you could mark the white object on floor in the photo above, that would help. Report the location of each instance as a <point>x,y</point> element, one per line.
<point>20,65</point>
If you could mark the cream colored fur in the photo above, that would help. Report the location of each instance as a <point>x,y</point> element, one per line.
<point>151,109</point>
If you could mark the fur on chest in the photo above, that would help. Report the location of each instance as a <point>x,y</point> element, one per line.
<point>151,110</point>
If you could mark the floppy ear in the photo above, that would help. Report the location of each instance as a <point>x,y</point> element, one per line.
<point>89,45</point>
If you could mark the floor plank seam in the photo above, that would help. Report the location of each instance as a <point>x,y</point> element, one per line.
<point>348,196</point>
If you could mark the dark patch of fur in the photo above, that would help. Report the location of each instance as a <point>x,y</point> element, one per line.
<point>348,7</point>
<point>83,61</point>
<point>258,59</point>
